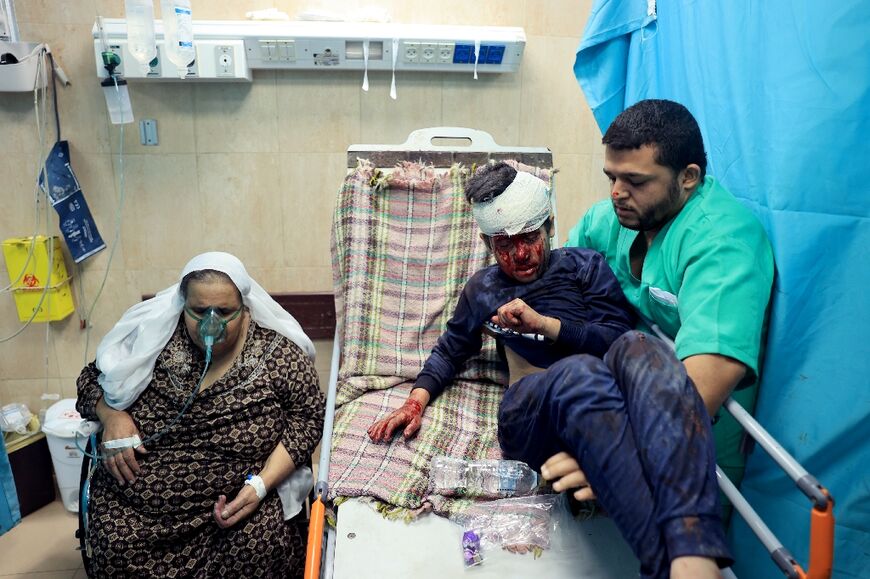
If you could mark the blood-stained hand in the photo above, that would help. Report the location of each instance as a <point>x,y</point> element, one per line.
<point>409,416</point>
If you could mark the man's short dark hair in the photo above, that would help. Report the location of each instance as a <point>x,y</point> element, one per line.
<point>667,125</point>
<point>489,182</point>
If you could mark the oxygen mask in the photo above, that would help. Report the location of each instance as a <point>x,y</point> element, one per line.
<point>211,326</point>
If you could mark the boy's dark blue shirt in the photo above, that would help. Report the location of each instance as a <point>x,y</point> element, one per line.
<point>578,287</point>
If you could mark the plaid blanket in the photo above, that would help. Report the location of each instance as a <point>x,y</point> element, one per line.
<point>404,243</point>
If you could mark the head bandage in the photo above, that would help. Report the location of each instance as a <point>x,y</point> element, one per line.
<point>127,354</point>
<point>523,207</point>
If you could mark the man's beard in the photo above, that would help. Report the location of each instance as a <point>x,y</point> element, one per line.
<point>654,220</point>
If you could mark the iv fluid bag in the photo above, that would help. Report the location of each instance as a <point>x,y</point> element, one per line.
<point>140,31</point>
<point>178,33</point>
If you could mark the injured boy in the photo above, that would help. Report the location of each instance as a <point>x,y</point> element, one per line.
<point>581,381</point>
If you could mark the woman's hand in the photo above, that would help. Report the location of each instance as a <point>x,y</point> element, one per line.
<point>118,424</point>
<point>228,514</point>
<point>409,415</point>
<point>564,469</point>
<point>279,465</point>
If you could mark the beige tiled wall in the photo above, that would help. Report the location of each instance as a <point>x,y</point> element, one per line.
<point>253,168</point>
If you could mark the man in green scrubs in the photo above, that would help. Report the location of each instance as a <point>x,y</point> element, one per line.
<point>692,260</point>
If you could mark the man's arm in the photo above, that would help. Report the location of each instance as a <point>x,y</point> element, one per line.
<point>460,341</point>
<point>715,377</point>
<point>723,301</point>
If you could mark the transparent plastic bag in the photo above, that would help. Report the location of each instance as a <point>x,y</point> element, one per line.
<point>15,417</point>
<point>519,525</point>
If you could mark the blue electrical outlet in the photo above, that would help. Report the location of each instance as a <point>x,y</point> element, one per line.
<point>494,55</point>
<point>463,54</point>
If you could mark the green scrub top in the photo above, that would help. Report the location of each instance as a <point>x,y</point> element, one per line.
<point>706,283</point>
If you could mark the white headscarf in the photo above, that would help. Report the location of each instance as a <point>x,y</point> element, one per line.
<point>522,207</point>
<point>127,354</point>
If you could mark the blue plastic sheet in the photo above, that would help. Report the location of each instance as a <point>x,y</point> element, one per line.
<point>10,513</point>
<point>781,89</point>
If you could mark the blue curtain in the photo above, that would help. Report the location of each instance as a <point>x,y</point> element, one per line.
<point>781,89</point>
<point>9,513</point>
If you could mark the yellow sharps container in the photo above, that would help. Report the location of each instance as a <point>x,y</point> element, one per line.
<point>27,288</point>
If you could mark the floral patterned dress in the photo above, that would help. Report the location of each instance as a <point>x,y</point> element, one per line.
<point>161,525</point>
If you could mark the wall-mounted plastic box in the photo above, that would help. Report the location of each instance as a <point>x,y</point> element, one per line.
<point>28,288</point>
<point>22,76</point>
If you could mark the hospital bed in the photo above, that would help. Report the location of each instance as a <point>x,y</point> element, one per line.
<point>362,543</point>
<point>366,544</point>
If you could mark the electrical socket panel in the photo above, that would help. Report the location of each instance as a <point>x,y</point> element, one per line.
<point>445,52</point>
<point>411,52</point>
<point>428,52</point>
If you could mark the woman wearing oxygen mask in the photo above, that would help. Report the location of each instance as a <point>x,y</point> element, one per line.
<point>202,421</point>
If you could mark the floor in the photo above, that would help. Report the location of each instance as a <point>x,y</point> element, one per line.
<point>42,546</point>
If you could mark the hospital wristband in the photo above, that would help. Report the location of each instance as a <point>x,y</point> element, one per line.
<point>129,442</point>
<point>255,482</point>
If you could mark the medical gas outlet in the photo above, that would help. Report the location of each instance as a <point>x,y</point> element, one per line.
<point>224,56</point>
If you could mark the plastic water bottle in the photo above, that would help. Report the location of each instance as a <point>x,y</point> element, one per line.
<point>503,478</point>
<point>486,478</point>
<point>140,32</point>
<point>178,34</point>
<point>449,475</point>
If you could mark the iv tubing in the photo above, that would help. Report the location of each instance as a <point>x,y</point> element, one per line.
<point>121,198</point>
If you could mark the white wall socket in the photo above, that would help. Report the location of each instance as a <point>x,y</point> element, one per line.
<point>428,52</point>
<point>411,51</point>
